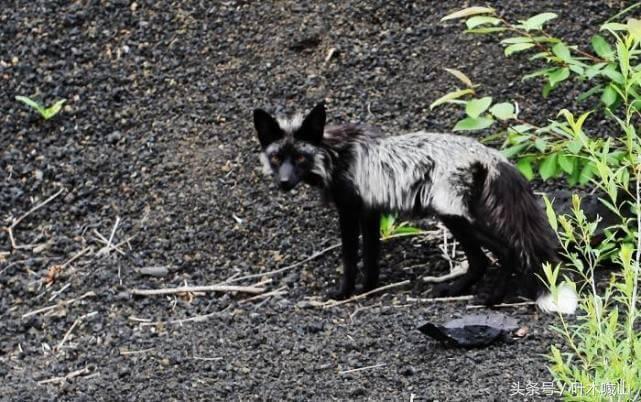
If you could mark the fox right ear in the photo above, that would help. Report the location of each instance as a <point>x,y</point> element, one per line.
<point>267,127</point>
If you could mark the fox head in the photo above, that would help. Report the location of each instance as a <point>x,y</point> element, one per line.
<point>290,147</point>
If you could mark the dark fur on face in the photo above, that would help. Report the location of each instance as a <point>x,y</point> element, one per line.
<point>290,148</point>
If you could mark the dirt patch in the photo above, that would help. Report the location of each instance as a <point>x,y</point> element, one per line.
<point>157,132</point>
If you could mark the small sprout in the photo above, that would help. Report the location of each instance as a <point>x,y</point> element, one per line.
<point>46,112</point>
<point>390,228</point>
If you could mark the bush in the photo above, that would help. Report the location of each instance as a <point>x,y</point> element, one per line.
<point>602,357</point>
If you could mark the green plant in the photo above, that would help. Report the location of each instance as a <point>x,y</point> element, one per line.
<point>601,359</point>
<point>46,112</point>
<point>391,228</point>
<point>604,345</point>
<point>552,150</point>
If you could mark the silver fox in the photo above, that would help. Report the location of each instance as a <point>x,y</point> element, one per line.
<point>473,189</point>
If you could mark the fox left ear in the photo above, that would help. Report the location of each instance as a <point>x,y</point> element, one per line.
<point>267,128</point>
<point>313,126</point>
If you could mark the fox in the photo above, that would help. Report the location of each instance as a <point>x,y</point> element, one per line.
<point>473,189</point>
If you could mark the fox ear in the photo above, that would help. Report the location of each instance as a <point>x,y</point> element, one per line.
<point>313,126</point>
<point>267,128</point>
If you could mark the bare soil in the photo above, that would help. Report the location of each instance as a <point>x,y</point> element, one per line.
<point>157,133</point>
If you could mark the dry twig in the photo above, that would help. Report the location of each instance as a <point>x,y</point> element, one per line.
<point>75,323</point>
<point>441,299</point>
<point>277,271</point>
<point>457,271</point>
<point>61,304</point>
<point>362,368</point>
<point>364,295</point>
<point>502,305</point>
<point>73,374</point>
<point>192,289</point>
<point>15,222</point>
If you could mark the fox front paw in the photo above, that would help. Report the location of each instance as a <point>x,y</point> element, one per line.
<point>340,294</point>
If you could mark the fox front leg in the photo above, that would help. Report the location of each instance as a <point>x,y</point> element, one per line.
<point>349,228</point>
<point>370,227</point>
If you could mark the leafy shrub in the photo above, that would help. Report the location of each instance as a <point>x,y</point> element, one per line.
<point>602,357</point>
<point>553,150</point>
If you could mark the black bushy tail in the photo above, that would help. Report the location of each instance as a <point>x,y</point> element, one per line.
<point>511,215</point>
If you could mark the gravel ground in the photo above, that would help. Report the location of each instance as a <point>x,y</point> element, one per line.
<point>156,135</point>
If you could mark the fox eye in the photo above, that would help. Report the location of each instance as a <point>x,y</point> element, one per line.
<point>300,159</point>
<point>274,159</point>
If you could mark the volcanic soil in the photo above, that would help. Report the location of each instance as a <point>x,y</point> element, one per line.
<point>152,166</point>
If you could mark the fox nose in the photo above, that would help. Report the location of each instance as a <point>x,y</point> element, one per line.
<point>287,184</point>
<point>287,179</point>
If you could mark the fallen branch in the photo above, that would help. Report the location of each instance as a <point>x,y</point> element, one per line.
<point>502,305</point>
<point>457,271</point>
<point>125,352</point>
<point>75,323</point>
<point>277,271</point>
<point>278,292</point>
<point>442,299</point>
<point>362,368</point>
<point>207,359</point>
<point>68,376</point>
<point>364,295</point>
<point>61,304</point>
<point>192,289</point>
<point>15,222</point>
<point>109,243</point>
<point>198,318</point>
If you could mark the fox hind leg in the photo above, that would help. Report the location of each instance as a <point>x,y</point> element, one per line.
<point>464,233</point>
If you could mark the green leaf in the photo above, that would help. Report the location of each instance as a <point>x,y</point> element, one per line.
<point>503,111</point>
<point>611,72</point>
<point>593,70</point>
<point>513,150</point>
<point>540,55</point>
<point>586,174</point>
<point>585,95</point>
<point>31,103</point>
<point>467,12</point>
<point>486,30</point>
<point>549,211</point>
<point>407,230</point>
<point>538,20</point>
<point>574,146</point>
<point>516,39</point>
<point>547,88</point>
<point>558,75</point>
<point>609,96</point>
<point>634,28</point>
<point>549,167</point>
<point>518,47</point>
<point>540,144</point>
<point>602,48</point>
<point>481,20</point>
<point>614,26</point>
<point>451,96</point>
<point>53,110</point>
<point>460,76</point>
<point>537,73</point>
<point>475,107</point>
<point>521,128</point>
<point>561,51</point>
<point>524,166</point>
<point>470,123</point>
<point>566,163</point>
